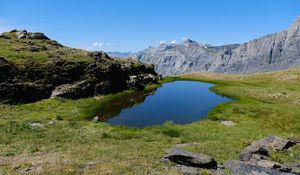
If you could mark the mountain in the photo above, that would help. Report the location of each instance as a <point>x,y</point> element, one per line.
<point>272,52</point>
<point>120,54</point>
<point>34,67</point>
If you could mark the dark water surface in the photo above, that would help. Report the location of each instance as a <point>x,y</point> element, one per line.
<point>181,102</point>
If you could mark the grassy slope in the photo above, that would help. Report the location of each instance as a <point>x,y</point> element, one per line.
<point>15,50</point>
<point>267,104</point>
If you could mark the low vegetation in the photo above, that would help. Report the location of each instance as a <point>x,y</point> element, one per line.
<point>68,143</point>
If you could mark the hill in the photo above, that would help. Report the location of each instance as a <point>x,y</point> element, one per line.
<point>34,67</point>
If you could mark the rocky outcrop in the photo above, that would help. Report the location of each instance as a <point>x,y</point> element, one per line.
<point>273,52</point>
<point>23,34</point>
<point>60,78</point>
<point>57,74</point>
<point>254,159</point>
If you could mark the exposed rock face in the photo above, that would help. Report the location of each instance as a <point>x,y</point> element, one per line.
<point>73,80</point>
<point>273,52</point>
<point>30,79</point>
<point>120,54</point>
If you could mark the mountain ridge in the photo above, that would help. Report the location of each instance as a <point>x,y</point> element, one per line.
<point>275,51</point>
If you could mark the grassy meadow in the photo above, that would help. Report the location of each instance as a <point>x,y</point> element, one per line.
<point>266,103</point>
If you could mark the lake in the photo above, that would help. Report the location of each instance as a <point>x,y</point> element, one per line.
<point>181,102</point>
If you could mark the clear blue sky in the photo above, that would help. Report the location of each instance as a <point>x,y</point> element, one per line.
<point>132,25</point>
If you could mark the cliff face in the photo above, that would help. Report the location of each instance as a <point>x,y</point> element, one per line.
<point>33,67</point>
<point>273,52</point>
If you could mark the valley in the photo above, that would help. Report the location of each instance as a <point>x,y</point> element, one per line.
<point>266,103</point>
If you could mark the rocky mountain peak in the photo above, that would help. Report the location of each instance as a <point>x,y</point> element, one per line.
<point>272,52</point>
<point>189,42</point>
<point>294,30</point>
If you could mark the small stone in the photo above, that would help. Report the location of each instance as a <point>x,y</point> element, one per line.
<point>228,123</point>
<point>66,162</point>
<point>51,122</point>
<point>37,125</point>
<point>96,118</point>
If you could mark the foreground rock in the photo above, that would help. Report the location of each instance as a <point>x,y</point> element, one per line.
<point>238,167</point>
<point>190,159</point>
<point>265,146</point>
<point>255,160</point>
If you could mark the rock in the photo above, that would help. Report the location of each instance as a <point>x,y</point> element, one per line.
<point>98,55</point>
<point>52,122</point>
<point>73,91</point>
<point>182,157</point>
<point>96,118</point>
<point>67,162</point>
<point>21,34</point>
<point>38,35</point>
<point>86,165</point>
<point>264,146</point>
<point>37,125</point>
<point>228,123</point>
<point>135,82</point>
<point>295,167</point>
<point>23,92</point>
<point>238,167</point>
<point>35,48</point>
<point>76,90</point>
<point>294,140</point>
<point>187,170</point>
<point>269,164</point>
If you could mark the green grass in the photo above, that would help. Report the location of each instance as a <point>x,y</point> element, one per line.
<point>265,104</point>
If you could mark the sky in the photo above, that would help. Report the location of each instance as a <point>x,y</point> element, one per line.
<point>133,25</point>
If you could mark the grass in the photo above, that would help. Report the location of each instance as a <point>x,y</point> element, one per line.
<point>265,104</point>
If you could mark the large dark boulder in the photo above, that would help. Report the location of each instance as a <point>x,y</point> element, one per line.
<point>182,157</point>
<point>38,35</point>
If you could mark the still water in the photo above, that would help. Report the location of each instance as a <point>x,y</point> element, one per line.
<point>181,102</point>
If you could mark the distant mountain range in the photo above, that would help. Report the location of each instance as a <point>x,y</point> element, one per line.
<point>272,52</point>
<point>120,54</point>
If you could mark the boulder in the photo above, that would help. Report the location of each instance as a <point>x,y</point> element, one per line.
<point>75,90</point>
<point>237,167</point>
<point>37,35</point>
<point>35,48</point>
<point>21,34</point>
<point>264,146</point>
<point>98,55</point>
<point>182,157</point>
